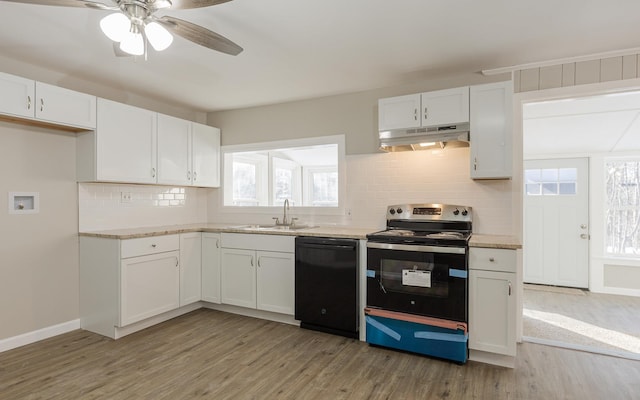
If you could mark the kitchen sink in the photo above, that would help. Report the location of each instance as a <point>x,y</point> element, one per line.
<point>259,227</point>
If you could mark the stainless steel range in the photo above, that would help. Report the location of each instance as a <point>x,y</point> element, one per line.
<point>417,279</point>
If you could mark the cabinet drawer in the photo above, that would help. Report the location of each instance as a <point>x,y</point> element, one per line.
<point>492,259</point>
<point>280,243</point>
<point>149,245</point>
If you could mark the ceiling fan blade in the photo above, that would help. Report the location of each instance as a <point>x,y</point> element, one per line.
<point>67,3</point>
<point>185,4</point>
<point>199,35</point>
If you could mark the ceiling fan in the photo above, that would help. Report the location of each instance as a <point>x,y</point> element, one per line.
<point>134,24</point>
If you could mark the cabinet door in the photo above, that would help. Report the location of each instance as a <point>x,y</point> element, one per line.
<point>402,112</point>
<point>174,147</point>
<point>65,107</point>
<point>149,285</point>
<point>18,96</point>
<point>238,277</point>
<point>205,147</point>
<point>190,267</point>
<point>492,312</point>
<point>211,267</point>
<point>125,143</point>
<point>444,107</point>
<point>275,282</point>
<point>491,130</point>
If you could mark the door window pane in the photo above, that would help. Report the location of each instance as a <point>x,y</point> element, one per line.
<point>551,181</point>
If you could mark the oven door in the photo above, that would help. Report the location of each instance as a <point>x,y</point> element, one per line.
<point>417,279</point>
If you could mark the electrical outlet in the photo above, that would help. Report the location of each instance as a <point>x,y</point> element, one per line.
<point>125,197</point>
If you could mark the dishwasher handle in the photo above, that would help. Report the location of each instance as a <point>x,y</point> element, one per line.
<point>326,246</point>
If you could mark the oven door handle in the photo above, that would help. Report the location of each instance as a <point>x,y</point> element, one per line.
<point>411,247</point>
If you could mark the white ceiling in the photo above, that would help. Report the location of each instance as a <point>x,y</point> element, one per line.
<point>298,49</point>
<point>597,124</point>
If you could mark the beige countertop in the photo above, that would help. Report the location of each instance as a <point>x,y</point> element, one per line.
<point>494,241</point>
<point>321,231</point>
<point>477,240</point>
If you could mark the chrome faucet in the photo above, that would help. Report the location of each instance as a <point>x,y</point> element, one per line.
<point>285,221</point>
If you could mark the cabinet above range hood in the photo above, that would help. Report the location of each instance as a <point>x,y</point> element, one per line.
<point>425,138</point>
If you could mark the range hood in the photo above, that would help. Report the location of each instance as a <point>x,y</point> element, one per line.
<point>425,138</point>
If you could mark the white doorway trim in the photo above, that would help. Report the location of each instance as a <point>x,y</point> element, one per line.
<point>519,99</point>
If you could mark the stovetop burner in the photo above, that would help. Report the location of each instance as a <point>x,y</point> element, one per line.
<point>426,224</point>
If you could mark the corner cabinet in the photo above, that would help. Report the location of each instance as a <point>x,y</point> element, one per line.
<point>492,304</point>
<point>188,153</point>
<point>258,272</point>
<point>36,101</point>
<point>491,131</point>
<point>211,267</point>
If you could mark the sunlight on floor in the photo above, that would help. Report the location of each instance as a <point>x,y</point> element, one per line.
<point>613,338</point>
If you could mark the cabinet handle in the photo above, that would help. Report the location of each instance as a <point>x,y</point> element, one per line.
<point>188,175</point>
<point>153,245</point>
<point>195,176</point>
<point>28,102</point>
<point>475,163</point>
<point>217,243</point>
<point>258,261</point>
<point>252,261</point>
<point>41,104</point>
<point>492,259</point>
<point>415,114</point>
<point>177,262</point>
<point>153,172</point>
<point>509,288</point>
<point>426,114</point>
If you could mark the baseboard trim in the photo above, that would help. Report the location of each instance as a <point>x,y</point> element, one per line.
<point>40,334</point>
<point>587,349</point>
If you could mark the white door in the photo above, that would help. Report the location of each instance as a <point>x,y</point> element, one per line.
<point>191,267</point>
<point>211,267</point>
<point>64,106</point>
<point>238,277</point>
<point>402,112</point>
<point>448,106</point>
<point>206,155</point>
<point>556,217</point>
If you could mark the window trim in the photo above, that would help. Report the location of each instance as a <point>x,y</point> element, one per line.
<point>338,140</point>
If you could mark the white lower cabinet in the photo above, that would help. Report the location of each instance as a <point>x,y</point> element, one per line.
<point>149,285</point>
<point>254,276</point>
<point>125,283</point>
<point>492,301</point>
<point>275,282</point>
<point>211,267</point>
<point>190,268</point>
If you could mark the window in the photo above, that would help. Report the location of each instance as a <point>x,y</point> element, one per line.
<point>305,172</point>
<point>551,181</point>
<point>622,213</point>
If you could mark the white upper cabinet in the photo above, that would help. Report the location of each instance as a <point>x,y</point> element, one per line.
<point>28,99</point>
<point>122,148</point>
<point>441,107</point>
<point>65,107</point>
<point>205,145</point>
<point>491,130</point>
<point>450,106</point>
<point>188,153</point>
<point>18,96</point>
<point>401,112</point>
<point>174,151</point>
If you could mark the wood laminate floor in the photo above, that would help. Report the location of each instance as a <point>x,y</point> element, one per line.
<point>209,354</point>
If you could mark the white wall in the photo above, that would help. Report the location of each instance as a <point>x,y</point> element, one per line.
<point>101,206</point>
<point>375,181</point>
<point>39,268</point>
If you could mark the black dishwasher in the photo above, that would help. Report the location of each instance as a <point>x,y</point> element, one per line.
<point>327,285</point>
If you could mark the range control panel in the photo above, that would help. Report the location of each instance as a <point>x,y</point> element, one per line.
<point>429,212</point>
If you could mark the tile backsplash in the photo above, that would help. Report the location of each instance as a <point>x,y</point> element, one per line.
<point>104,206</point>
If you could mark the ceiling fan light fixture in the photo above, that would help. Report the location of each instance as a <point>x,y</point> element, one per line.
<point>133,42</point>
<point>115,26</point>
<point>158,36</point>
